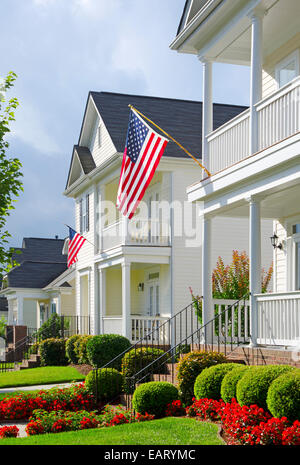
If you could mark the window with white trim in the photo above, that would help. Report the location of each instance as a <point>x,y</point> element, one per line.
<point>84,213</point>
<point>287,69</point>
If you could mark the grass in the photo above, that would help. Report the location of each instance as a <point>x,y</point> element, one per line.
<point>14,393</point>
<point>41,375</point>
<point>167,431</point>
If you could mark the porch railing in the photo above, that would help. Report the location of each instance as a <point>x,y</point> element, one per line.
<point>138,232</point>
<point>140,327</point>
<point>278,118</point>
<point>278,319</point>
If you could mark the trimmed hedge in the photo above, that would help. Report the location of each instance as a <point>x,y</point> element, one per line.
<point>253,387</point>
<point>229,383</point>
<point>53,352</point>
<point>137,359</point>
<point>70,348</point>
<point>190,366</point>
<point>80,349</point>
<point>153,397</point>
<point>208,383</point>
<point>109,383</point>
<point>283,399</point>
<point>102,349</point>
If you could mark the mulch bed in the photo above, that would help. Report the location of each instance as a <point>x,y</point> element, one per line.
<point>83,369</point>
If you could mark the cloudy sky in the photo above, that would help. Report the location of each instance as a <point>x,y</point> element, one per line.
<point>61,49</point>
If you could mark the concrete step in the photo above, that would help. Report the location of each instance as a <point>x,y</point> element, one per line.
<point>28,364</point>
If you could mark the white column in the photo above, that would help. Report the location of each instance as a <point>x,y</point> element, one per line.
<point>10,316</point>
<point>255,265</point>
<point>20,301</point>
<point>58,310</point>
<point>126,301</point>
<point>207,110</point>
<point>256,17</point>
<point>102,298</point>
<point>208,311</point>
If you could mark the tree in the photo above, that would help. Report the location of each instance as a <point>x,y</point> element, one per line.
<point>10,174</point>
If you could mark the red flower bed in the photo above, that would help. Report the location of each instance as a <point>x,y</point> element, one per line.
<point>9,431</point>
<point>175,409</point>
<point>247,425</point>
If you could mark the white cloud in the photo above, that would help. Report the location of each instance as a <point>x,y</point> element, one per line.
<point>29,128</point>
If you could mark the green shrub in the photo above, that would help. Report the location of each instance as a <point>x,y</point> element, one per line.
<point>102,349</point>
<point>52,328</point>
<point>70,348</point>
<point>80,349</point>
<point>190,366</point>
<point>53,352</point>
<point>208,383</point>
<point>283,399</point>
<point>229,383</point>
<point>253,387</point>
<point>106,382</point>
<point>154,397</point>
<point>137,359</point>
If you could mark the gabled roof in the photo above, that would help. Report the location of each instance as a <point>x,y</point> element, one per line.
<point>83,157</point>
<point>62,280</point>
<point>182,119</point>
<point>40,249</point>
<point>34,275</point>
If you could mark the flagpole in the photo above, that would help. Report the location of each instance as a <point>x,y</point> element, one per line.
<point>172,138</point>
<point>79,234</point>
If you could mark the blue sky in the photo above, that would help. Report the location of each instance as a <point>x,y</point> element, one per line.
<point>60,50</point>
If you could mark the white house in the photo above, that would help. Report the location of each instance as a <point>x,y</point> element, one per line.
<point>133,274</point>
<point>254,158</point>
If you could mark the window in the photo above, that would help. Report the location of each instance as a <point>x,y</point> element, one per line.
<point>287,69</point>
<point>84,213</point>
<point>53,308</point>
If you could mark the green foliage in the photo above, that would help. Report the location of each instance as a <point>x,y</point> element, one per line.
<point>70,348</point>
<point>154,397</point>
<point>253,387</point>
<point>10,174</point>
<point>181,350</point>
<point>50,329</point>
<point>229,383</point>
<point>208,383</point>
<point>53,352</point>
<point>106,382</point>
<point>283,397</point>
<point>104,348</point>
<point>190,366</point>
<point>3,324</point>
<point>137,359</point>
<point>232,281</point>
<point>80,349</point>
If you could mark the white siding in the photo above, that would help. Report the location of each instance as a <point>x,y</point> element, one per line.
<point>106,149</point>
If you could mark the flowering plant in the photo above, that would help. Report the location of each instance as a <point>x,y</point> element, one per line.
<point>9,431</point>
<point>206,409</point>
<point>175,409</point>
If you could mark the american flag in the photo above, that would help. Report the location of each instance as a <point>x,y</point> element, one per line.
<point>143,151</point>
<point>76,241</point>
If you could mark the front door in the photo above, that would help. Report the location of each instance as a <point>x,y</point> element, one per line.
<point>153,298</point>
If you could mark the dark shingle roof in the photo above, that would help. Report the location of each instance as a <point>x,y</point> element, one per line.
<point>41,250</point>
<point>182,119</point>
<point>34,274</point>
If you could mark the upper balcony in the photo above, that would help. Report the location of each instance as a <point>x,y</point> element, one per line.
<point>278,118</point>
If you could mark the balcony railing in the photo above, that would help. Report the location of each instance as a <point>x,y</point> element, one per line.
<point>136,232</point>
<point>140,327</point>
<point>279,318</point>
<point>278,118</point>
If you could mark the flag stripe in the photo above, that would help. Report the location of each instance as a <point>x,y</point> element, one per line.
<point>76,241</point>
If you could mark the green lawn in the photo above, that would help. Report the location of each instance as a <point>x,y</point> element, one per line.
<point>167,431</point>
<point>41,375</point>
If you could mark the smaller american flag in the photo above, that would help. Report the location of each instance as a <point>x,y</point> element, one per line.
<point>143,151</point>
<point>76,241</point>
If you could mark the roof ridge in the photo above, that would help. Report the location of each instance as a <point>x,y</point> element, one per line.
<point>165,98</point>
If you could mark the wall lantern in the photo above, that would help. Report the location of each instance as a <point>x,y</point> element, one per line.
<point>274,242</point>
<point>141,287</point>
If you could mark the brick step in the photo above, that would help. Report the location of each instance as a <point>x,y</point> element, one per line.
<point>28,364</point>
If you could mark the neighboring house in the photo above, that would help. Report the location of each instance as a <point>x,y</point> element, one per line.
<point>40,285</point>
<point>131,274</point>
<point>255,157</point>
<point>3,307</point>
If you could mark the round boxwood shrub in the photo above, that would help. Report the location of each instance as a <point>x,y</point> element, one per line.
<point>106,382</point>
<point>229,383</point>
<point>208,383</point>
<point>80,349</point>
<point>53,352</point>
<point>153,397</point>
<point>190,366</point>
<point>283,399</point>
<point>253,387</point>
<point>137,359</point>
<point>70,348</point>
<point>102,349</point>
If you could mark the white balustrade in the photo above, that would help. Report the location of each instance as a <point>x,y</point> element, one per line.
<point>142,326</point>
<point>233,322</point>
<point>279,318</point>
